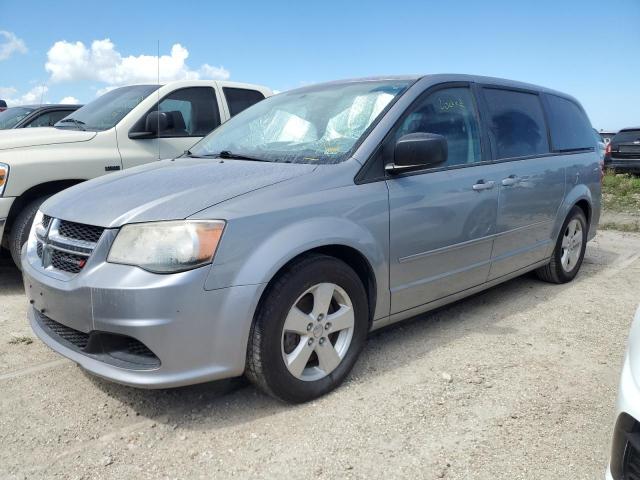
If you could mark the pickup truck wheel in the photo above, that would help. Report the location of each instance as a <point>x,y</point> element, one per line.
<point>569,252</point>
<point>309,331</point>
<point>21,228</point>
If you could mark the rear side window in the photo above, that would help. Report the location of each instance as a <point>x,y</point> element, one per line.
<point>570,127</point>
<point>516,123</point>
<point>239,99</point>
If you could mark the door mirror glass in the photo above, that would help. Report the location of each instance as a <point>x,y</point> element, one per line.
<point>420,150</point>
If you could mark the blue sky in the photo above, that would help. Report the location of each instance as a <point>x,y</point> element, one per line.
<point>587,48</point>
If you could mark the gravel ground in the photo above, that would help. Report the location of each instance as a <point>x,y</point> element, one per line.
<point>518,382</point>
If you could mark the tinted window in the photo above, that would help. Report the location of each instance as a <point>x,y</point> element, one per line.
<point>240,98</point>
<point>106,111</point>
<point>570,127</point>
<point>451,113</point>
<point>626,136</point>
<point>193,112</point>
<point>516,123</point>
<point>10,117</point>
<point>48,119</point>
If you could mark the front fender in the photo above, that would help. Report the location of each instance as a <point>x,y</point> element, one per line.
<point>286,243</point>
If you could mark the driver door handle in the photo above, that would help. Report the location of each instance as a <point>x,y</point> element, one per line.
<point>482,185</point>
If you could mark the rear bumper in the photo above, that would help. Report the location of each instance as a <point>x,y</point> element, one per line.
<point>197,335</point>
<point>629,165</point>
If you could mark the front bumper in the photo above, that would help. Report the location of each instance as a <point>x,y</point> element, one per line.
<point>197,335</point>
<point>5,206</point>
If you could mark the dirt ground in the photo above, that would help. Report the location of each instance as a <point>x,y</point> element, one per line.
<point>518,382</point>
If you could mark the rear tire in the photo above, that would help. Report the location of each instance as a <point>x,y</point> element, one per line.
<point>21,227</point>
<point>309,330</point>
<point>569,251</point>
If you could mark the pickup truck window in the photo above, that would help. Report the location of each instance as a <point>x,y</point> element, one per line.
<point>106,111</point>
<point>48,119</point>
<point>240,99</point>
<point>319,124</point>
<point>193,112</point>
<point>11,116</point>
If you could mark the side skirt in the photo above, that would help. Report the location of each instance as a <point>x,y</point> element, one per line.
<point>412,312</point>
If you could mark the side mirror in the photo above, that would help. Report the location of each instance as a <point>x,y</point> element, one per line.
<point>155,123</point>
<point>418,150</point>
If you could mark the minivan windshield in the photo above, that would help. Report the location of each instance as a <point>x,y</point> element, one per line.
<point>319,124</point>
<point>106,111</point>
<point>11,116</point>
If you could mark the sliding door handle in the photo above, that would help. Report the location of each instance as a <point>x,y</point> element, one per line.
<point>482,185</point>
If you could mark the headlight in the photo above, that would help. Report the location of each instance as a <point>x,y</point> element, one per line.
<point>167,247</point>
<point>4,175</point>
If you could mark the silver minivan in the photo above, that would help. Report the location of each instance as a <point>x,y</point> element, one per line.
<point>280,240</point>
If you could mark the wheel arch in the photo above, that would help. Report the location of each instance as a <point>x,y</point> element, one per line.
<point>37,191</point>
<point>347,254</point>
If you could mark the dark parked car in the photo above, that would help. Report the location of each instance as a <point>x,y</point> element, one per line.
<point>3,105</point>
<point>34,115</point>
<point>623,152</point>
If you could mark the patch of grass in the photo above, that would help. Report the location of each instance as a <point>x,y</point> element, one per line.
<point>621,227</point>
<point>621,192</point>
<point>21,340</point>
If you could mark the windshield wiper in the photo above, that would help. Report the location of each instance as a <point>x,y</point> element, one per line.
<point>78,123</point>
<point>226,154</point>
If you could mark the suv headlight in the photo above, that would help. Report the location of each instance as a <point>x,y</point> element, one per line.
<point>167,247</point>
<point>4,175</point>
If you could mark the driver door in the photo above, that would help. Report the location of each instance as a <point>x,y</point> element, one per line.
<point>442,219</point>
<point>192,113</point>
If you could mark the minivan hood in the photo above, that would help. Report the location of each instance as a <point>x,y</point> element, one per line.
<point>165,190</point>
<point>33,137</point>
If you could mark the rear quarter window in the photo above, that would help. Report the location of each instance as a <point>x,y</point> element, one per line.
<point>516,123</point>
<point>569,125</point>
<point>240,99</point>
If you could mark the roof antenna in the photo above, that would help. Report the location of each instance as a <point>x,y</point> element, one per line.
<point>41,93</point>
<point>158,104</point>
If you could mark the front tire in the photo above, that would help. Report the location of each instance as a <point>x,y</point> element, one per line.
<point>309,330</point>
<point>21,227</point>
<point>569,252</point>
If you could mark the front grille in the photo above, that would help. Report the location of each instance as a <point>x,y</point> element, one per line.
<point>75,337</point>
<point>66,246</point>
<point>114,349</point>
<point>67,262</point>
<point>79,231</point>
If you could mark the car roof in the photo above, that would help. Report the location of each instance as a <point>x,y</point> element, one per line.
<point>451,77</point>
<point>626,129</point>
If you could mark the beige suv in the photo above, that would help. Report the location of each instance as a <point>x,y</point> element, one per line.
<point>126,127</point>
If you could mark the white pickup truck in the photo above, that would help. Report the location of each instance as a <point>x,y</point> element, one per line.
<point>123,128</point>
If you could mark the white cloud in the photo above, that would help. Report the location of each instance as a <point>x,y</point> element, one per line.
<point>37,94</point>
<point>101,62</point>
<point>10,45</point>
<point>70,101</point>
